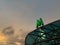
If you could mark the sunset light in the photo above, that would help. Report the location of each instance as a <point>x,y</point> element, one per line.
<point>3,39</point>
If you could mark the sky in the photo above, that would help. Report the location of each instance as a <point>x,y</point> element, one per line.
<point>22,14</point>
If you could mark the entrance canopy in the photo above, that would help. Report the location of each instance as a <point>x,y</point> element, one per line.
<point>46,35</point>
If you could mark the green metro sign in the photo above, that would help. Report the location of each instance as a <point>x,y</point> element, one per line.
<point>39,22</point>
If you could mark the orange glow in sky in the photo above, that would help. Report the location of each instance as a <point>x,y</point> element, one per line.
<point>3,38</point>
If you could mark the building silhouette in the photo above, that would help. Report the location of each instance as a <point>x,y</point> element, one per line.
<point>45,35</point>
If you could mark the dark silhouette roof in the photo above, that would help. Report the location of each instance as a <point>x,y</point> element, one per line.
<point>48,34</point>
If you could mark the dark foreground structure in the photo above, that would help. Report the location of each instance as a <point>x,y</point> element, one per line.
<point>46,35</point>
